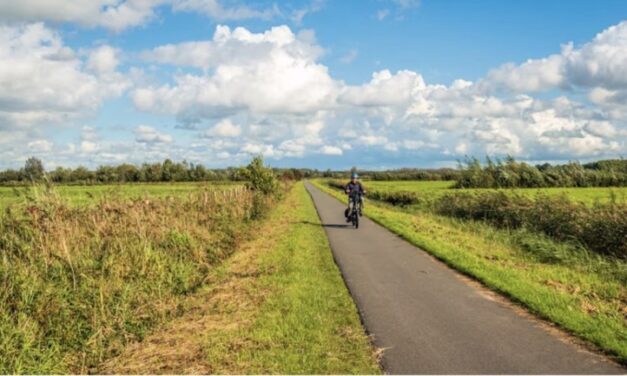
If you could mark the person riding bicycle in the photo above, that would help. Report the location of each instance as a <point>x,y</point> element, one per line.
<point>354,187</point>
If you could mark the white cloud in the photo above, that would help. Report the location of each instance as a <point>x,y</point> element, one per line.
<point>224,128</point>
<point>331,150</point>
<point>44,83</point>
<point>271,72</point>
<point>215,10</point>
<point>294,108</point>
<point>149,135</point>
<point>40,145</point>
<point>112,14</point>
<point>118,15</point>
<point>385,89</point>
<point>601,62</point>
<point>267,92</point>
<point>103,60</point>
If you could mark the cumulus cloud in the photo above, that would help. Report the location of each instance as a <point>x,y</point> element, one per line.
<point>148,135</point>
<point>293,107</point>
<point>242,92</point>
<point>112,14</point>
<point>331,150</point>
<point>601,62</point>
<point>224,128</point>
<point>275,71</point>
<point>118,15</point>
<point>215,10</point>
<point>44,83</point>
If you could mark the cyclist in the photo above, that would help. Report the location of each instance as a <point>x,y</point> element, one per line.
<point>354,187</point>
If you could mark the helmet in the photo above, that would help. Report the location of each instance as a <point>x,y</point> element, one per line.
<point>354,175</point>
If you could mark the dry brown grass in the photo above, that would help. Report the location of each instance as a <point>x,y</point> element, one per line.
<point>232,295</point>
<point>77,284</point>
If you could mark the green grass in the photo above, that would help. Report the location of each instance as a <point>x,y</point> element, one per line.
<point>77,283</point>
<point>82,195</point>
<point>583,293</point>
<point>279,305</point>
<point>308,323</point>
<point>434,189</point>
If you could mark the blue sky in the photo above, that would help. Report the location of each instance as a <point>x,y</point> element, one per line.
<point>323,84</point>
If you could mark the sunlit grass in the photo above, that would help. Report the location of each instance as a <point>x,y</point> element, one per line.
<point>83,195</point>
<point>434,189</point>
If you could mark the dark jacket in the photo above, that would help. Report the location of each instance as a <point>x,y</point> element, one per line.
<point>354,188</point>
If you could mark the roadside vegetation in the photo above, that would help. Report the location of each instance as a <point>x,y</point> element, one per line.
<point>279,305</point>
<point>563,260</point>
<point>77,283</point>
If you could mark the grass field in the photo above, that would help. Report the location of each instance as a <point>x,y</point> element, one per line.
<point>81,195</point>
<point>434,189</point>
<point>80,282</point>
<point>279,305</point>
<point>584,293</point>
<point>110,286</point>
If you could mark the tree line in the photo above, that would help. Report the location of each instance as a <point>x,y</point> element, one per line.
<point>166,171</point>
<point>471,173</point>
<point>509,173</point>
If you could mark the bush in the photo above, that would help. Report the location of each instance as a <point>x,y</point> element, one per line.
<point>395,198</point>
<point>260,178</point>
<point>601,228</point>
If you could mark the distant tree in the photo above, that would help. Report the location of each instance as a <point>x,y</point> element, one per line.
<point>260,178</point>
<point>34,169</point>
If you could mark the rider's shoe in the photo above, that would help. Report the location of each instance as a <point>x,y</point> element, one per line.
<point>360,213</point>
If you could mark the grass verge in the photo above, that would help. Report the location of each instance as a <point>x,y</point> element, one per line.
<point>584,295</point>
<point>279,305</point>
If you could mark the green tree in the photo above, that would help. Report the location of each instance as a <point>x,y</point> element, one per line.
<point>260,178</point>
<point>34,169</point>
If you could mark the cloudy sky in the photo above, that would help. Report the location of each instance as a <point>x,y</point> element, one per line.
<point>312,83</point>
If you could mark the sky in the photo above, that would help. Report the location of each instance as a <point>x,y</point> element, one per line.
<point>312,83</point>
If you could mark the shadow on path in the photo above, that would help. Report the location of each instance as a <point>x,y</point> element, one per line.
<point>329,225</point>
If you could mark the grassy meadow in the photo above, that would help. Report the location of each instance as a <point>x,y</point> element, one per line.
<point>88,194</point>
<point>435,189</point>
<point>581,291</point>
<point>80,282</point>
<point>104,278</point>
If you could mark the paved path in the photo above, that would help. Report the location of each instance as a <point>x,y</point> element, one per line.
<point>432,322</point>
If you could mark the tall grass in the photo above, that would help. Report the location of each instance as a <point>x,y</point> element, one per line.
<point>78,283</point>
<point>601,228</point>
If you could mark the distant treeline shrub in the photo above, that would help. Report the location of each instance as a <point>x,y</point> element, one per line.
<point>601,228</point>
<point>167,171</point>
<point>512,174</point>
<point>399,174</point>
<point>413,174</point>
<point>399,198</point>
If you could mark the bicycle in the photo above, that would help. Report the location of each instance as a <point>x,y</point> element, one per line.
<point>355,212</point>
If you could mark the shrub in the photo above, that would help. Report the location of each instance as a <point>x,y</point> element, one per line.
<point>260,178</point>
<point>601,228</point>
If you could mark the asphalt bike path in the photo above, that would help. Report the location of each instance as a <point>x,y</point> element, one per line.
<point>429,320</point>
